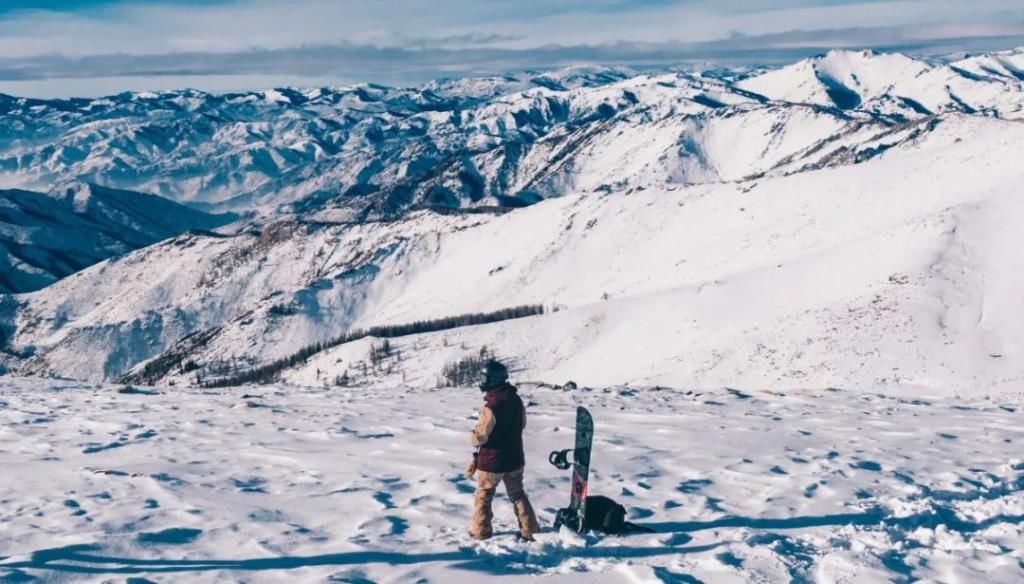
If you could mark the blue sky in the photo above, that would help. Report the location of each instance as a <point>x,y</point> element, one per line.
<point>60,47</point>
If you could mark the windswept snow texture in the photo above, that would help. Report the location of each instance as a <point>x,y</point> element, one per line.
<point>284,484</point>
<point>47,236</point>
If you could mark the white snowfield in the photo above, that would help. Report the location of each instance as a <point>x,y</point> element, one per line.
<point>903,271</point>
<point>286,484</point>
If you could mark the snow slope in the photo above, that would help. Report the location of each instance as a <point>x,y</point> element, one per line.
<point>897,271</point>
<point>286,484</point>
<point>45,237</point>
<point>1006,64</point>
<point>263,292</point>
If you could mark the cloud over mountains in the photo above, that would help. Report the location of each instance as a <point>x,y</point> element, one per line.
<point>46,46</point>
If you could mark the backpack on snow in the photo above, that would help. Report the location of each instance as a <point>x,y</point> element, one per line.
<point>607,516</point>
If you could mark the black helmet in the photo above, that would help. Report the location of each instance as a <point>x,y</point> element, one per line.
<point>492,375</point>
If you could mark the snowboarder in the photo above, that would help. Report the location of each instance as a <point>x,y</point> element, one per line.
<point>498,436</point>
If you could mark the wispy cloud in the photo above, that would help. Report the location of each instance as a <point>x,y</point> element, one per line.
<point>400,41</point>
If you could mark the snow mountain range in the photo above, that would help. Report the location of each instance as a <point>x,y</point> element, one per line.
<point>847,221</point>
<point>370,151</point>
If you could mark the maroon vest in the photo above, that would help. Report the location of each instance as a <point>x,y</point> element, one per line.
<point>503,451</point>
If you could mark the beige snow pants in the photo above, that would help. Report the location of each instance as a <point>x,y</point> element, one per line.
<point>486,485</point>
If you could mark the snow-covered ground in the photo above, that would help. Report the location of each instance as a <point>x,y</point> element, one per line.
<point>365,485</point>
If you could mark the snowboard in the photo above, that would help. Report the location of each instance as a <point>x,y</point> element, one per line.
<point>574,515</point>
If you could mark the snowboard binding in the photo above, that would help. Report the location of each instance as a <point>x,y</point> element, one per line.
<point>560,459</point>
<point>567,516</point>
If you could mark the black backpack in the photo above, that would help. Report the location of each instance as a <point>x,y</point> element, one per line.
<point>604,515</point>
<point>607,516</point>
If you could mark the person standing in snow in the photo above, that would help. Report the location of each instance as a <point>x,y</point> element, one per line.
<point>498,436</point>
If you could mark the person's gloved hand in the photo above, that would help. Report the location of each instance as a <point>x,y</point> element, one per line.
<point>471,469</point>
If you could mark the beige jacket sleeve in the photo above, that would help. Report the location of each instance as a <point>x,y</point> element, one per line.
<point>484,426</point>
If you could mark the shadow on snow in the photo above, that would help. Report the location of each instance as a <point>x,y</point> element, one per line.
<point>81,559</point>
<point>874,517</point>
